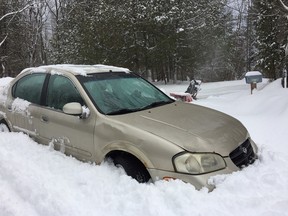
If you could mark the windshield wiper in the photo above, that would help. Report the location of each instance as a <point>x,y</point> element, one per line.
<point>122,111</point>
<point>156,104</point>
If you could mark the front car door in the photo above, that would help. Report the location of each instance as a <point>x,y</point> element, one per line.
<point>67,133</point>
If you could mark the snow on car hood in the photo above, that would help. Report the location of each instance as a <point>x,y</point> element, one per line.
<point>192,127</point>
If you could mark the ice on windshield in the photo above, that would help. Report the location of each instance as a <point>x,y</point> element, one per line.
<point>129,93</point>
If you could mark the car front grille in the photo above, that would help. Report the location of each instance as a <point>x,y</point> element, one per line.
<point>243,155</point>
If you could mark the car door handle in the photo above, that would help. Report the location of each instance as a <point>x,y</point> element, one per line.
<point>9,108</point>
<point>44,118</point>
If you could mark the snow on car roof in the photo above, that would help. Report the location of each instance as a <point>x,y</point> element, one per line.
<point>78,69</point>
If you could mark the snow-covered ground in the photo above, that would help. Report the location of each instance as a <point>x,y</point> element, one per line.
<point>35,180</point>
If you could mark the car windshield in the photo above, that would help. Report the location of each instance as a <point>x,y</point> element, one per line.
<point>116,93</point>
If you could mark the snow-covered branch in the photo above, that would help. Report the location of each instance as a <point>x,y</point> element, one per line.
<point>9,14</point>
<point>3,40</point>
<point>283,7</point>
<point>15,12</point>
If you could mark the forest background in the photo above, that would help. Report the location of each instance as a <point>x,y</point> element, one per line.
<point>169,40</point>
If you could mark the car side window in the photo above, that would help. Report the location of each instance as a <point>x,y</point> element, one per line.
<point>30,88</point>
<point>61,91</point>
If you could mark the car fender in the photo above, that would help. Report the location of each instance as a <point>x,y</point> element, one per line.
<point>113,135</point>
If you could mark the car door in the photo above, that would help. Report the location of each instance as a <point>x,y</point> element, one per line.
<point>26,95</point>
<point>67,133</point>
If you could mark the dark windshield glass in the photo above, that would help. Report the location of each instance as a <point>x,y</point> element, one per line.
<point>119,93</point>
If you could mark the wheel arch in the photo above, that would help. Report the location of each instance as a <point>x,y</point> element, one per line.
<point>6,122</point>
<point>129,157</point>
<point>130,150</point>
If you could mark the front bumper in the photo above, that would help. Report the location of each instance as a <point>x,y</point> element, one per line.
<point>198,181</point>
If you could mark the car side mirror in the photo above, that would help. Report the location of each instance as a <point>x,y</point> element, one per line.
<point>73,109</point>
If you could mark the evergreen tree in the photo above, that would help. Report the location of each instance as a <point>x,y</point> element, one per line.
<point>270,41</point>
<point>169,38</point>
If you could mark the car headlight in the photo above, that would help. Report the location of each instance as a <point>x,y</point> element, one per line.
<point>198,163</point>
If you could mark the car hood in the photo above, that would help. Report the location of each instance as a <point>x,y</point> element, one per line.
<point>191,127</point>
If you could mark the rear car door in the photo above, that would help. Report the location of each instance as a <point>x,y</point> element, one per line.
<point>26,96</point>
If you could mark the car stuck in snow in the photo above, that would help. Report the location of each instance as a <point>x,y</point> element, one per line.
<point>96,112</point>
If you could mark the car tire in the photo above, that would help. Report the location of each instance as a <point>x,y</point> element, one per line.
<point>4,126</point>
<point>133,167</point>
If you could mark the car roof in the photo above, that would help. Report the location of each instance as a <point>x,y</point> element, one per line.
<point>77,69</point>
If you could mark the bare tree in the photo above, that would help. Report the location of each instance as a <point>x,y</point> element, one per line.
<point>56,14</point>
<point>14,12</point>
<point>24,43</point>
<point>35,19</point>
<point>13,15</point>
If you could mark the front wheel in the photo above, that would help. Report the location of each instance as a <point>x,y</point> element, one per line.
<point>133,167</point>
<point>4,127</point>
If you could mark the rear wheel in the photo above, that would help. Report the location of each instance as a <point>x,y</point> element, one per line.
<point>3,126</point>
<point>132,166</point>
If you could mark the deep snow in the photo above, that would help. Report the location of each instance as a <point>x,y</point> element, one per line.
<point>35,180</point>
